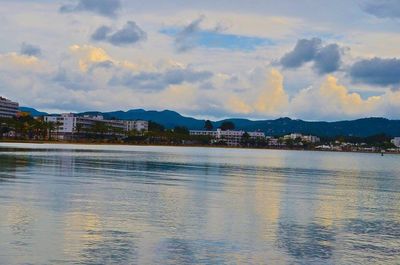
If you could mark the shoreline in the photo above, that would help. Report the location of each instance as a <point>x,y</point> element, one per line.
<point>199,146</point>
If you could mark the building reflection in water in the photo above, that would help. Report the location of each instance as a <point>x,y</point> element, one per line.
<point>9,164</point>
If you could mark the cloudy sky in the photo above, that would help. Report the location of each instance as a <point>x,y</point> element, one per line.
<point>309,59</point>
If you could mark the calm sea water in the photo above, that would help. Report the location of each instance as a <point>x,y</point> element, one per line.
<point>70,204</point>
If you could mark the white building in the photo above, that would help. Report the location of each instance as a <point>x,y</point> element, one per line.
<point>310,139</point>
<point>8,108</point>
<point>232,138</point>
<point>68,124</point>
<point>272,141</point>
<point>137,125</point>
<point>396,141</point>
<point>292,136</point>
<point>303,138</point>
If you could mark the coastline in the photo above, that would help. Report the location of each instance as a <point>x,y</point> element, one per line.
<point>182,145</point>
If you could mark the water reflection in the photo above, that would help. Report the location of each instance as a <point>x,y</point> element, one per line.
<point>9,165</point>
<point>183,251</point>
<point>197,206</point>
<point>307,243</point>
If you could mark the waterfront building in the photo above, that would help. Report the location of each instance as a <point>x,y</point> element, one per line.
<point>272,141</point>
<point>137,125</point>
<point>293,136</point>
<point>8,108</point>
<point>303,138</point>
<point>230,137</point>
<point>396,141</point>
<point>310,139</point>
<point>67,125</point>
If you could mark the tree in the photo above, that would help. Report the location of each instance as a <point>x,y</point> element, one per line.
<point>155,127</point>
<point>50,128</point>
<point>79,128</point>
<point>181,130</point>
<point>245,138</point>
<point>227,125</point>
<point>100,128</point>
<point>4,128</point>
<point>58,125</point>
<point>208,125</point>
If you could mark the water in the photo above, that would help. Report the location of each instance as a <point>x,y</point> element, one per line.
<point>75,204</point>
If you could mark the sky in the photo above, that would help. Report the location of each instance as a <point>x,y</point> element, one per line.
<point>257,59</point>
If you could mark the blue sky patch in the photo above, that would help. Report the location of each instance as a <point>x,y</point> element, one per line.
<point>212,39</point>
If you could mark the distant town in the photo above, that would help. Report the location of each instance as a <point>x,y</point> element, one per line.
<point>16,125</point>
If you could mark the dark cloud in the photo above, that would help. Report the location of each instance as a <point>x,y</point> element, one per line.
<point>187,38</point>
<point>153,81</point>
<point>107,8</point>
<point>30,49</point>
<point>377,71</point>
<point>382,8</point>
<point>304,51</point>
<point>130,34</point>
<point>101,33</point>
<point>326,58</point>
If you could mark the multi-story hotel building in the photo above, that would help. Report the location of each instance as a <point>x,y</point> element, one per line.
<point>8,108</point>
<point>68,124</point>
<point>304,138</point>
<point>232,138</point>
<point>137,125</point>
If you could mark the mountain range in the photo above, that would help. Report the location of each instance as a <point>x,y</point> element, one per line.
<point>169,119</point>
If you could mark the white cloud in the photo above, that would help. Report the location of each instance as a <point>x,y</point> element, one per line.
<point>238,86</point>
<point>331,100</point>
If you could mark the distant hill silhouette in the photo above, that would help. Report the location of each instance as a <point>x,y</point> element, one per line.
<point>170,119</point>
<point>32,111</point>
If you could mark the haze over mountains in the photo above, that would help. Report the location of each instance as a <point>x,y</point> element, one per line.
<point>170,119</point>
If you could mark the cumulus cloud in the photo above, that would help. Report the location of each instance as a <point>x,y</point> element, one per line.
<point>304,51</point>
<point>130,34</point>
<point>145,77</point>
<point>92,79</point>
<point>376,71</point>
<point>382,8</point>
<point>30,49</point>
<point>273,98</point>
<point>270,98</point>
<point>326,58</point>
<point>19,62</point>
<point>89,55</point>
<point>331,100</point>
<point>328,101</point>
<point>108,8</point>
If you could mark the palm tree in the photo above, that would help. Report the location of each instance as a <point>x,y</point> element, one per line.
<point>50,126</point>
<point>78,128</point>
<point>58,124</point>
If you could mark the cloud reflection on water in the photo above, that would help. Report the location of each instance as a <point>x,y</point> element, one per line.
<point>146,207</point>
